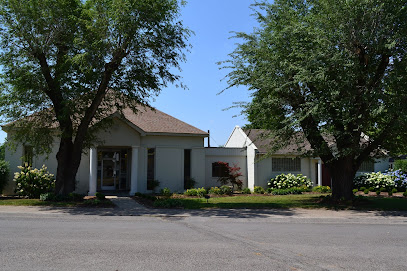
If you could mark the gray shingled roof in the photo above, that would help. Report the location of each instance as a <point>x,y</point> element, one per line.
<point>150,121</point>
<point>156,121</point>
<point>262,141</point>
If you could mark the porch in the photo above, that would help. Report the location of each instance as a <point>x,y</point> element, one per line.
<point>113,170</point>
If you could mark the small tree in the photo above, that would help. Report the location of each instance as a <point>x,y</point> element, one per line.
<point>232,175</point>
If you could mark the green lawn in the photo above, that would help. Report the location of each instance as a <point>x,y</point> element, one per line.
<point>294,201</point>
<point>37,202</point>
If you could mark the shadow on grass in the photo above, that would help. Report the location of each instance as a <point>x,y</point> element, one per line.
<point>385,207</point>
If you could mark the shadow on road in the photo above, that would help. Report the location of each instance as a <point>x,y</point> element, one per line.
<point>143,211</point>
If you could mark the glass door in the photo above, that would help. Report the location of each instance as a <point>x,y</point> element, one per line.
<point>110,170</point>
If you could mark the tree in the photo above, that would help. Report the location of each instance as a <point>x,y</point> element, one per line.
<point>68,63</point>
<point>231,174</point>
<point>2,151</point>
<point>330,72</point>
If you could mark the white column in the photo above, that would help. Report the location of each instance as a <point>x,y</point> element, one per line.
<point>319,172</point>
<point>251,155</point>
<point>134,170</point>
<point>93,170</point>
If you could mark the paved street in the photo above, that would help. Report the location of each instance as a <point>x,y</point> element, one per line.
<point>34,238</point>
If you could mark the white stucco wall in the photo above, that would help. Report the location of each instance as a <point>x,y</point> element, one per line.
<point>169,159</point>
<point>264,171</point>
<point>198,166</point>
<point>15,156</point>
<point>229,155</point>
<point>169,168</point>
<point>381,164</point>
<point>238,139</point>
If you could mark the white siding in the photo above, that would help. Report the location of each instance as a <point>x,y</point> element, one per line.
<point>264,170</point>
<point>198,166</point>
<point>238,139</point>
<point>381,164</point>
<point>169,168</point>
<point>232,156</point>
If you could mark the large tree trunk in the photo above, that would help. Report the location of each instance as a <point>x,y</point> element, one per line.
<point>69,159</point>
<point>342,172</point>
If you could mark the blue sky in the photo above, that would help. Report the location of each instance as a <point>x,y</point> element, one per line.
<point>212,21</point>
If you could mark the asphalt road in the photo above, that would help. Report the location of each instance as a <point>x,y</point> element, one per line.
<point>253,240</point>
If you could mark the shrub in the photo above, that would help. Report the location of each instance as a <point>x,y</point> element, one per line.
<point>189,183</point>
<point>401,164</point>
<point>215,190</point>
<point>246,191</point>
<point>322,189</point>
<point>191,192</point>
<point>371,189</point>
<point>382,189</point>
<point>354,191</point>
<point>226,190</point>
<point>166,192</point>
<point>200,192</point>
<point>366,191</point>
<point>4,173</point>
<point>47,196</point>
<point>375,180</point>
<point>399,178</point>
<point>394,190</point>
<point>258,190</point>
<point>405,194</point>
<point>232,175</point>
<point>32,183</point>
<point>168,203</point>
<point>284,181</point>
<point>362,188</point>
<point>378,192</point>
<point>390,193</point>
<point>100,196</point>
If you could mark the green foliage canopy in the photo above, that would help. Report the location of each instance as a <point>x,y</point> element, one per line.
<point>335,71</point>
<point>335,67</point>
<point>59,57</point>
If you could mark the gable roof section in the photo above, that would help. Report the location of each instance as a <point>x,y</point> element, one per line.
<point>147,121</point>
<point>157,122</point>
<point>260,139</point>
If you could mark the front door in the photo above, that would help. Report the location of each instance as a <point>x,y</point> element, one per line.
<point>113,173</point>
<point>110,171</point>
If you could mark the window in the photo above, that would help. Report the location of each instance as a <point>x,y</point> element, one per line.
<point>219,169</point>
<point>187,167</point>
<point>366,166</point>
<point>28,154</point>
<point>286,164</point>
<point>150,168</point>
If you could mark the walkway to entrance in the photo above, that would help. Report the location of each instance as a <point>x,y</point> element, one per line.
<point>127,204</point>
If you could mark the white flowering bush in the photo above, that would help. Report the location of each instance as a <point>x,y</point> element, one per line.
<point>284,181</point>
<point>32,182</point>
<point>377,180</point>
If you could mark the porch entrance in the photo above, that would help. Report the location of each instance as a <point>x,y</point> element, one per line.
<point>113,165</point>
